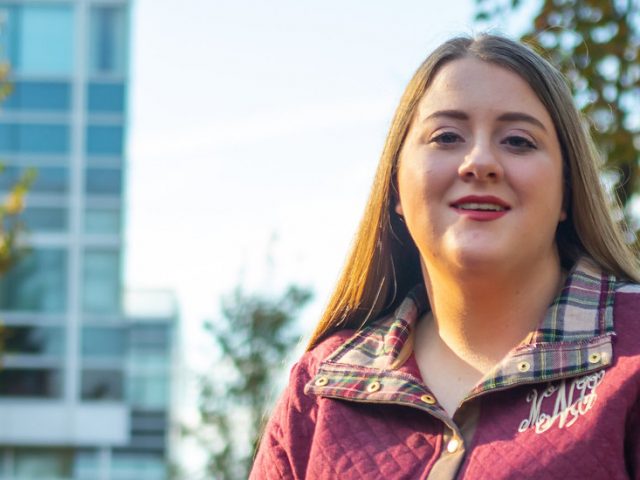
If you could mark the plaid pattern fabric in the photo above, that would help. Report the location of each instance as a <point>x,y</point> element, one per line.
<point>573,339</point>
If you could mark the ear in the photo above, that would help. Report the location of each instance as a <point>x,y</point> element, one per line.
<point>563,215</point>
<point>398,208</point>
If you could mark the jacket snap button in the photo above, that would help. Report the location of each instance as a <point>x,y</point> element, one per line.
<point>595,358</point>
<point>322,381</point>
<point>453,445</point>
<point>373,387</point>
<point>524,366</point>
<point>428,399</point>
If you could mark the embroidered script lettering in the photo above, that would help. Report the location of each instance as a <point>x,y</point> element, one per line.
<point>571,402</point>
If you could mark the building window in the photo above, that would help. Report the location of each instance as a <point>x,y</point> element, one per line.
<point>106,97</point>
<point>48,179</point>
<point>150,337</point>
<point>38,39</point>
<point>104,140</point>
<point>137,464</point>
<point>34,138</point>
<point>108,33</point>
<point>102,384</point>
<point>103,342</point>
<point>38,463</point>
<point>148,391</point>
<point>102,221</point>
<point>39,96</point>
<point>30,382</point>
<point>31,340</point>
<point>86,465</point>
<point>37,283</point>
<point>101,281</point>
<point>51,180</point>
<point>104,181</point>
<point>42,219</point>
<point>150,360</point>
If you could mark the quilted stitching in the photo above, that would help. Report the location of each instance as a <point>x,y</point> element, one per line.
<point>587,449</point>
<point>369,441</point>
<point>313,437</point>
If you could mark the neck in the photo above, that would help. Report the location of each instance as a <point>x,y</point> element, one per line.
<point>479,318</point>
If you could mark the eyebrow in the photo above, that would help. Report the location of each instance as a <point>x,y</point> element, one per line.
<point>505,117</point>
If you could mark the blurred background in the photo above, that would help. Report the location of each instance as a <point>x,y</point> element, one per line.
<point>181,182</point>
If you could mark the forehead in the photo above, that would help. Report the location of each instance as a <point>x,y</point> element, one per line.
<point>471,84</point>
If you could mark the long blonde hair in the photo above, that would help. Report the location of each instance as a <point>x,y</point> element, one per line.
<point>383,264</point>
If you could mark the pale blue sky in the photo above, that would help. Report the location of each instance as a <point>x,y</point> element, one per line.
<point>254,118</point>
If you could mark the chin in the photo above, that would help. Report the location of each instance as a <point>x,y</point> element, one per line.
<point>470,259</point>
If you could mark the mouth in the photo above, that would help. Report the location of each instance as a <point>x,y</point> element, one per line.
<point>482,207</point>
<point>481,204</point>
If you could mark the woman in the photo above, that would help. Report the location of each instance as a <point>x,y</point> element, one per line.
<point>485,323</point>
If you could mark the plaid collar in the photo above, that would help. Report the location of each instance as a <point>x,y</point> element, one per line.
<point>573,339</point>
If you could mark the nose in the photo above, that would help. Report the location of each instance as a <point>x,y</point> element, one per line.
<point>481,163</point>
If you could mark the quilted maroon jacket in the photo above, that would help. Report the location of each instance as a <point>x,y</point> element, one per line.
<point>565,405</point>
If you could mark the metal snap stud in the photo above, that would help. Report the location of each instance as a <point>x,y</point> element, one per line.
<point>428,399</point>
<point>524,366</point>
<point>595,357</point>
<point>373,387</point>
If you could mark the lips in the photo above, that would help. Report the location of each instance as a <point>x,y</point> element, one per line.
<point>481,203</point>
<point>481,208</point>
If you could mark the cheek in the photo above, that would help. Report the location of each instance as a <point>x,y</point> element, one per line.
<point>422,180</point>
<point>543,189</point>
<point>421,191</point>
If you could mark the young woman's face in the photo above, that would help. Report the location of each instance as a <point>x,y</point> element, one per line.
<point>480,172</point>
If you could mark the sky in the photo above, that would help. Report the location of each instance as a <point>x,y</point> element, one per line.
<point>254,131</point>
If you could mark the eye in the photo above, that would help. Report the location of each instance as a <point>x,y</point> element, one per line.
<point>519,143</point>
<point>447,138</point>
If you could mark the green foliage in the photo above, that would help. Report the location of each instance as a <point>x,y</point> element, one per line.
<point>254,335</point>
<point>596,44</point>
<point>11,227</point>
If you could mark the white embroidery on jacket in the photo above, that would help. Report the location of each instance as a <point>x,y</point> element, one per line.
<point>571,402</point>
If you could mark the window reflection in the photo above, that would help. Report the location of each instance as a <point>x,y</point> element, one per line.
<point>86,465</point>
<point>102,384</point>
<point>38,283</point>
<point>148,391</point>
<point>104,140</point>
<point>30,382</point>
<point>39,96</point>
<point>136,464</point>
<point>48,179</point>
<point>40,463</point>
<point>103,342</point>
<point>40,219</point>
<point>34,138</point>
<point>106,97</point>
<point>108,40</point>
<point>102,221</point>
<point>31,340</point>
<point>104,181</point>
<point>38,39</point>
<point>101,281</point>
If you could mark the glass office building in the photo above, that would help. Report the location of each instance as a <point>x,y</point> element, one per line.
<point>84,386</point>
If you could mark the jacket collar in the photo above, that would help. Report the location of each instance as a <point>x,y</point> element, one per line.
<point>574,338</point>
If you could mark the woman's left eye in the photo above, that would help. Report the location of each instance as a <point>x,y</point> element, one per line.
<point>519,142</point>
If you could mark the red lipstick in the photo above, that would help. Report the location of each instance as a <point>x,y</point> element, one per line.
<point>482,208</point>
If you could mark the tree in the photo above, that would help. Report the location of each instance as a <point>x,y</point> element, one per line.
<point>13,203</point>
<point>11,206</point>
<point>595,43</point>
<point>254,335</point>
